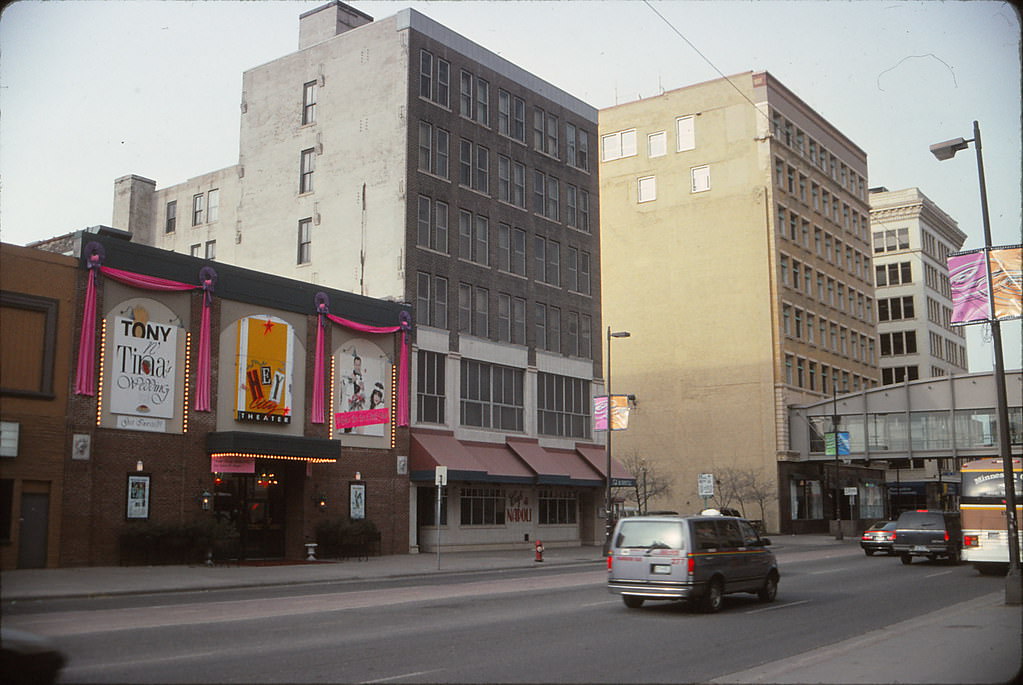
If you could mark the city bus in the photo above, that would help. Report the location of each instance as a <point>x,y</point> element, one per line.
<point>982,506</point>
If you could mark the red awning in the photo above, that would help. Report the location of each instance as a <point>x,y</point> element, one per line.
<point>429,450</point>
<point>518,460</point>
<point>596,456</point>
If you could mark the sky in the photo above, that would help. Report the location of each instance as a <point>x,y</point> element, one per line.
<point>94,90</point>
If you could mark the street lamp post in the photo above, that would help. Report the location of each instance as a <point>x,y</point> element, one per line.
<point>607,445</point>
<point>1013,586</point>
<point>836,421</point>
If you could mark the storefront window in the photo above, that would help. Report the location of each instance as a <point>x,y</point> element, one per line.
<point>871,501</point>
<point>557,507</point>
<point>806,499</point>
<point>481,507</point>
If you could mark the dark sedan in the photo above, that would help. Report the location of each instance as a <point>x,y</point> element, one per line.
<point>879,537</point>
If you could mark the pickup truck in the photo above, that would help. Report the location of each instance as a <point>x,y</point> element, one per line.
<point>930,534</point>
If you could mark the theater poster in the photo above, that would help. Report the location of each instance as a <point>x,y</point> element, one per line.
<point>265,368</point>
<point>362,398</point>
<point>143,367</point>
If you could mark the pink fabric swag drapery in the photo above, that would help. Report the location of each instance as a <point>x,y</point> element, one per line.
<point>85,378</point>
<point>319,361</point>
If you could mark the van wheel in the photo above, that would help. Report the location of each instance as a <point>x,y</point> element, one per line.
<point>770,589</point>
<point>906,559</point>
<point>711,602</point>
<point>632,601</point>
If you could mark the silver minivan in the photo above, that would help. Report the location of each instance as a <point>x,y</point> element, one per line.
<point>695,558</point>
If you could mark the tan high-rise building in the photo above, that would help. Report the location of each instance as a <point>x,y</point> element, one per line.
<point>912,241</point>
<point>736,241</point>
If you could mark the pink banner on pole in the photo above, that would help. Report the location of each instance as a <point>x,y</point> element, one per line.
<point>366,417</point>
<point>967,274</point>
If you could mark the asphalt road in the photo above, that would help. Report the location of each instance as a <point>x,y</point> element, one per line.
<point>554,625</point>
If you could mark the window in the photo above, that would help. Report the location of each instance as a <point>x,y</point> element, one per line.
<point>701,178</point>
<point>503,112</point>
<point>894,274</point>
<point>891,240</point>
<point>899,342</point>
<point>547,260</point>
<point>584,211</point>
<point>443,82</point>
<point>571,205</point>
<point>539,192</point>
<point>519,119</point>
<point>685,130</point>
<point>432,300</point>
<point>172,216</point>
<point>212,205</point>
<point>481,507</point>
<point>898,374</point>
<point>577,147</point>
<point>465,94</point>
<point>657,144</point>
<point>430,387</point>
<point>511,319</point>
<point>481,181</point>
<point>895,308</point>
<point>647,189</point>
<point>553,211</point>
<point>483,102</point>
<point>464,308</point>
<point>492,396</point>
<point>309,102</point>
<point>551,144</point>
<point>518,196</point>
<point>474,237</point>
<point>480,312</point>
<point>465,163</point>
<point>618,145</point>
<point>503,179</point>
<point>28,357</point>
<point>541,326</point>
<point>195,250</point>
<point>425,74</point>
<point>563,406</point>
<point>198,207</point>
<point>211,249</point>
<point>432,224</point>
<point>511,249</point>
<point>305,241</point>
<point>433,150</point>
<point>577,268</point>
<point>308,166</point>
<point>556,507</point>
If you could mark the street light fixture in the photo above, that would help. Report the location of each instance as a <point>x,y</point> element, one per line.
<point>1013,586</point>
<point>607,445</point>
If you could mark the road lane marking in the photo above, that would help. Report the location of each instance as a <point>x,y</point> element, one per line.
<point>400,677</point>
<point>786,605</point>
<point>935,575</point>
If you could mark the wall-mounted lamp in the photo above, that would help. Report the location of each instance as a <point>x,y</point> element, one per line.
<point>321,502</point>
<point>139,466</point>
<point>358,475</point>
<point>205,499</point>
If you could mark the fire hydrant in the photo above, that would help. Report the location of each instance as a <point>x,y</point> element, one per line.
<point>539,551</point>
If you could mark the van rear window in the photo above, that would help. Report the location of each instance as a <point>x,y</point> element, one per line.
<point>650,534</point>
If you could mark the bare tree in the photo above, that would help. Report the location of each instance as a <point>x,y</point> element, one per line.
<point>742,485</point>
<point>650,482</point>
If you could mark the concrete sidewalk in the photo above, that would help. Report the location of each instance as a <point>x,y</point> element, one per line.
<point>971,642</point>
